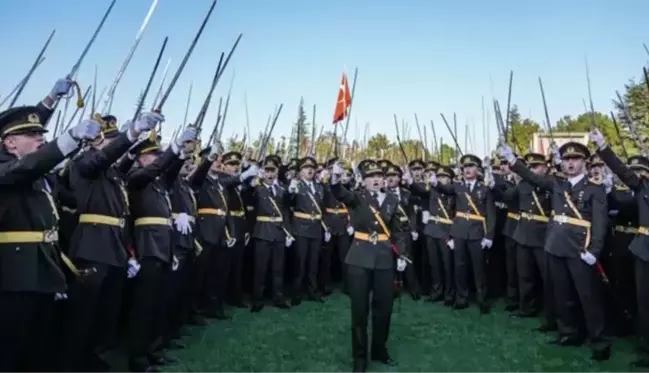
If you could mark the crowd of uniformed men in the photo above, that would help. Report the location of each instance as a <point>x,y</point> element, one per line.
<point>107,239</point>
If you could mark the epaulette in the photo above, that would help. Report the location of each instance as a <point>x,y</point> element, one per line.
<point>596,182</point>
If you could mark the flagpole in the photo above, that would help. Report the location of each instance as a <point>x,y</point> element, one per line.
<point>349,113</point>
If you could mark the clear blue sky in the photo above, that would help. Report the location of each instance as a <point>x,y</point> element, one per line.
<point>414,56</point>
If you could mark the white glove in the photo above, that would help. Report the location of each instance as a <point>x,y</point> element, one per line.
<point>182,224</point>
<point>61,87</point>
<point>231,242</point>
<point>407,177</point>
<point>189,134</point>
<point>133,268</point>
<point>87,129</point>
<point>425,215</point>
<point>292,188</point>
<point>433,179</point>
<point>60,296</point>
<point>250,172</point>
<point>174,264</point>
<point>215,150</point>
<point>556,156</point>
<point>327,236</point>
<point>486,244</point>
<point>289,242</point>
<point>588,258</point>
<point>337,169</point>
<point>504,151</point>
<point>350,230</point>
<point>608,182</point>
<point>324,175</point>
<point>246,238</point>
<point>450,244</point>
<point>401,265</point>
<point>596,137</point>
<point>125,126</point>
<point>415,235</point>
<point>147,122</point>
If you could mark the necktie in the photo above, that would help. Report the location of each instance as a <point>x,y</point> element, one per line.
<point>375,197</point>
<point>271,190</point>
<point>311,188</point>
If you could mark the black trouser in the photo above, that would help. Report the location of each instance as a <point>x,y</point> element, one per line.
<point>642,291</point>
<point>235,287</point>
<point>440,257</point>
<point>148,299</point>
<point>469,253</point>
<point>217,277</point>
<point>91,313</point>
<point>342,255</point>
<point>362,282</point>
<point>267,252</point>
<point>405,243</point>
<point>531,279</point>
<point>175,308</point>
<point>25,331</point>
<point>575,282</point>
<point>199,278</point>
<point>336,243</point>
<point>512,273</point>
<point>307,251</point>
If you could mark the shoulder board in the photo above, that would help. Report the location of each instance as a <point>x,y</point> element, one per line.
<point>257,182</point>
<point>596,182</point>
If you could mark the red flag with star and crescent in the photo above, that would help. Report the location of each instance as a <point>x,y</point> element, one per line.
<point>344,100</point>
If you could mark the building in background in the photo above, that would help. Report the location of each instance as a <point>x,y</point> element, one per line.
<point>541,142</point>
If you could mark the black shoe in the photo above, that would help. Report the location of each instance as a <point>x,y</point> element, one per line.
<point>359,366</point>
<point>282,305</point>
<point>463,306</point>
<point>198,320</point>
<point>641,363</point>
<point>385,360</point>
<point>161,359</point>
<point>511,307</point>
<point>435,299</point>
<point>238,304</point>
<point>568,341</point>
<point>316,298</point>
<point>175,345</point>
<point>296,301</point>
<point>327,292</point>
<point>141,366</point>
<point>485,309</point>
<point>601,354</point>
<point>257,307</point>
<point>448,302</point>
<point>218,314</point>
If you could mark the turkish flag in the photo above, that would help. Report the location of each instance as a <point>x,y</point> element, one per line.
<point>344,100</point>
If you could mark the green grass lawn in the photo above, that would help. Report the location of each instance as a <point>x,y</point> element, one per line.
<point>424,337</point>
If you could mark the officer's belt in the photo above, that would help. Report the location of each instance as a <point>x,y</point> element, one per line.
<point>102,219</point>
<point>539,218</point>
<point>189,217</point>
<point>631,230</point>
<point>336,211</point>
<point>303,215</point>
<point>270,219</point>
<point>513,215</point>
<point>373,238</point>
<point>29,237</point>
<point>468,216</point>
<point>439,219</point>
<point>238,213</point>
<point>572,221</point>
<point>209,211</point>
<point>152,221</point>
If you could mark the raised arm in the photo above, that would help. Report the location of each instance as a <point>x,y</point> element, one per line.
<point>626,175</point>
<point>93,163</point>
<point>141,177</point>
<point>545,182</point>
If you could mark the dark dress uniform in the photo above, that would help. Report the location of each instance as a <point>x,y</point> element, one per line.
<point>337,220</point>
<point>307,227</point>
<point>578,225</point>
<point>148,188</point>
<point>475,220</point>
<point>270,235</point>
<point>441,211</point>
<point>512,218</point>
<point>640,244</point>
<point>371,263</point>
<point>99,243</point>
<point>30,269</point>
<point>535,211</point>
